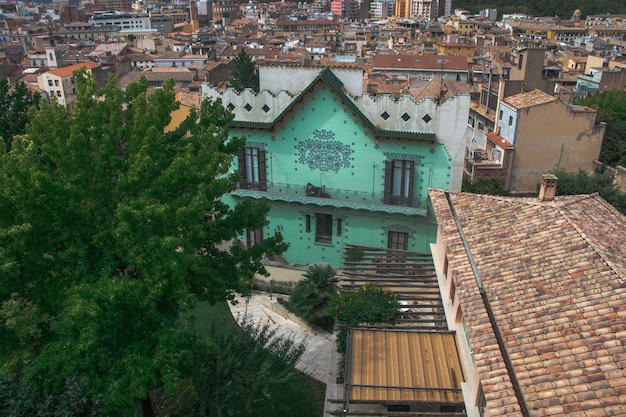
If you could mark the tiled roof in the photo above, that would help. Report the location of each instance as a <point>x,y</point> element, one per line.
<point>554,274</point>
<point>67,71</point>
<point>532,98</point>
<point>421,62</point>
<point>499,140</point>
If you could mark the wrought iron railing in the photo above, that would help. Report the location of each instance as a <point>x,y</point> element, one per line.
<point>361,197</point>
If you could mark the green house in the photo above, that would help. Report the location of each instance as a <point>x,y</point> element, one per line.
<point>334,176</point>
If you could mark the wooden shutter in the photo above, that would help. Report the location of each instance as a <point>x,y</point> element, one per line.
<point>411,165</point>
<point>242,169</point>
<point>262,171</point>
<point>388,182</point>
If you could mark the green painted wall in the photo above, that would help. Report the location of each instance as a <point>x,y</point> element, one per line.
<point>320,141</point>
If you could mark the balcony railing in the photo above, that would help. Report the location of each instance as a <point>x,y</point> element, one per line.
<point>337,197</point>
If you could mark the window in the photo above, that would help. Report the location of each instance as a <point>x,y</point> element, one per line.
<point>481,401</point>
<point>481,126</point>
<point>338,227</point>
<point>399,182</point>
<point>470,121</point>
<point>59,93</point>
<point>520,61</point>
<point>398,240</point>
<point>510,120</point>
<point>50,83</point>
<point>56,83</point>
<point>323,228</point>
<point>307,223</point>
<point>253,237</point>
<point>500,117</point>
<point>252,169</point>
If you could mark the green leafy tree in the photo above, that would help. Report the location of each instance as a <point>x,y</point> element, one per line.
<point>611,108</point>
<point>492,186</point>
<point>561,8</point>
<point>104,246</point>
<point>226,384</point>
<point>367,305</point>
<point>600,182</point>
<point>310,298</point>
<point>245,74</point>
<point>14,105</point>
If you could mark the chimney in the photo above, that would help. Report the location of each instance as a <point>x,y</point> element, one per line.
<point>547,191</point>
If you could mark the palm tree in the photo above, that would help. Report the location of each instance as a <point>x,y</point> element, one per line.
<point>310,297</point>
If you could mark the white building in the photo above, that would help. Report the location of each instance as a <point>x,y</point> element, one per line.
<point>381,9</point>
<point>125,21</point>
<point>60,84</point>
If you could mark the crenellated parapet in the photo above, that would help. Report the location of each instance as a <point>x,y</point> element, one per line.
<point>250,106</point>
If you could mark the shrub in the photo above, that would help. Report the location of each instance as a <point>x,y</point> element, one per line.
<point>309,299</point>
<point>367,305</point>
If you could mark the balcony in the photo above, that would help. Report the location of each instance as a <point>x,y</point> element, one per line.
<point>483,166</point>
<point>334,197</point>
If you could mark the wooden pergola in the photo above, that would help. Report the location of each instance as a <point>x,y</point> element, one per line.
<point>409,275</point>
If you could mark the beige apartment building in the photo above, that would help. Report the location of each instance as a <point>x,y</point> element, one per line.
<point>546,134</point>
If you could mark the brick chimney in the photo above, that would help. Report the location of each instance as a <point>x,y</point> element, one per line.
<point>547,191</point>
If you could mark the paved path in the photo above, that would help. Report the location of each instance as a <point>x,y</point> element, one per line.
<point>316,359</point>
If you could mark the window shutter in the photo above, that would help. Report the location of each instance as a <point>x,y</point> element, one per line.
<point>411,178</point>
<point>262,171</point>
<point>388,182</point>
<point>242,169</point>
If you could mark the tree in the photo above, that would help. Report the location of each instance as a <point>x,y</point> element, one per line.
<point>600,182</point>
<point>104,244</point>
<point>492,186</point>
<point>245,74</point>
<point>611,108</point>
<point>367,305</point>
<point>238,375</point>
<point>14,105</point>
<point>310,298</point>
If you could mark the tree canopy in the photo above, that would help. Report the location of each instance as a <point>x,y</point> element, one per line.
<point>600,182</point>
<point>562,8</point>
<point>14,105</point>
<point>104,244</point>
<point>245,74</point>
<point>611,108</point>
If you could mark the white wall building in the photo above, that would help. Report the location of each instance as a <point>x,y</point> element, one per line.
<point>125,21</point>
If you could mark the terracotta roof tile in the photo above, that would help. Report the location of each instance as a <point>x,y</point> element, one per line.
<point>67,71</point>
<point>532,98</point>
<point>554,273</point>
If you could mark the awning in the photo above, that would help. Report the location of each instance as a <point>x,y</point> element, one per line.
<point>402,366</point>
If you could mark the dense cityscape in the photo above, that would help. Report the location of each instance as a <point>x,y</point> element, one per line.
<point>418,207</point>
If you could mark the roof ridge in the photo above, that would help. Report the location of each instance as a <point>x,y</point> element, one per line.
<point>584,236</point>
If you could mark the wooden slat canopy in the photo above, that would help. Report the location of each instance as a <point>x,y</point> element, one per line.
<point>402,366</point>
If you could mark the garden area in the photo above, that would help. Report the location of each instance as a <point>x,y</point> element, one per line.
<point>294,394</point>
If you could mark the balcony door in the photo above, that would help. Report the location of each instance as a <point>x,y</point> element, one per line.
<point>399,176</point>
<point>252,168</point>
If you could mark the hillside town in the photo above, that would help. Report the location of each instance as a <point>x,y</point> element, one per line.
<point>367,120</point>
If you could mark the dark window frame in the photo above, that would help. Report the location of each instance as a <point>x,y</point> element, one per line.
<point>397,240</point>
<point>324,228</point>
<point>253,169</point>
<point>399,182</point>
<point>254,237</point>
